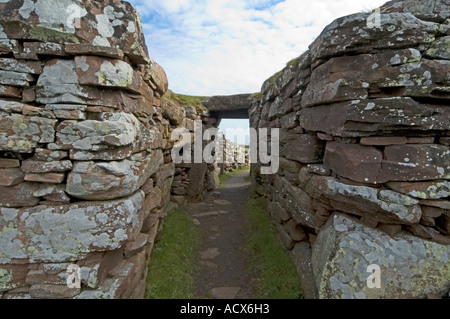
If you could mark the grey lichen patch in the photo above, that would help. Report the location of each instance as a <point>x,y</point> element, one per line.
<point>119,74</point>
<point>50,18</point>
<point>5,279</point>
<point>440,49</point>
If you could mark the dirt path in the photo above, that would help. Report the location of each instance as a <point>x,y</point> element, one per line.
<point>223,273</point>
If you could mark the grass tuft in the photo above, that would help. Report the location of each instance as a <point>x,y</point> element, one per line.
<point>277,275</point>
<point>173,260</point>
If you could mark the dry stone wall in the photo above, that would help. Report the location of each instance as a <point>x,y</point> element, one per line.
<point>85,161</point>
<point>364,154</point>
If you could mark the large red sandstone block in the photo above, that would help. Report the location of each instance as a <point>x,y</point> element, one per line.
<point>356,162</point>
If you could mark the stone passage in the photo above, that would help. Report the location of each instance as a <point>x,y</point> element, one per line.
<point>365,154</point>
<point>86,168</point>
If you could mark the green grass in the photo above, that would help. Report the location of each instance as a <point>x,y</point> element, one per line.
<point>195,101</point>
<point>278,278</point>
<point>173,260</point>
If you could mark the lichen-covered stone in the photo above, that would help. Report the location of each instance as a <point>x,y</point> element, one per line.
<point>374,117</point>
<point>67,232</point>
<point>410,267</point>
<point>104,24</point>
<point>19,133</point>
<point>109,180</point>
<point>353,34</point>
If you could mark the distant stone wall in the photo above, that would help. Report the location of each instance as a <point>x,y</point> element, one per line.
<point>85,162</point>
<point>365,154</point>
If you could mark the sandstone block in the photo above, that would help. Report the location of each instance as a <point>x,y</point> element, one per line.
<point>353,161</point>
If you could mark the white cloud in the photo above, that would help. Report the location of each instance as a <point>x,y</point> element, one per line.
<point>213,47</point>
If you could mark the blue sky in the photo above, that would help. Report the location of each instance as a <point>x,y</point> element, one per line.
<point>224,47</point>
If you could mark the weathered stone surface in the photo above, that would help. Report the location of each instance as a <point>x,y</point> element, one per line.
<point>382,205</point>
<point>429,10</point>
<point>196,178</point>
<point>423,190</point>
<point>136,246</point>
<point>301,256</point>
<point>381,116</point>
<point>45,155</point>
<point>345,248</point>
<point>15,78</point>
<point>228,103</point>
<point>156,74</point>
<point>12,276</point>
<point>284,237</point>
<point>88,49</point>
<point>20,195</point>
<point>173,112</point>
<point>415,162</point>
<point>354,161</point>
<point>353,34</point>
<point>384,140</point>
<point>9,163</point>
<point>10,91</point>
<point>31,166</point>
<point>278,213</point>
<point>109,180</point>
<point>118,130</point>
<point>303,148</point>
<point>49,291</point>
<point>19,133</point>
<point>11,176</point>
<point>67,232</point>
<point>20,66</point>
<point>52,178</point>
<point>97,71</point>
<point>106,24</point>
<point>153,199</point>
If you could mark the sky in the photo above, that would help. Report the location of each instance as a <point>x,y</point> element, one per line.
<point>225,47</point>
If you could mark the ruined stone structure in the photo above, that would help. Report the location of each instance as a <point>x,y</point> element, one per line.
<point>86,173</point>
<point>365,154</point>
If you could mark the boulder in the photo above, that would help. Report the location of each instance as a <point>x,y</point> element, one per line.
<point>67,232</point>
<point>410,267</point>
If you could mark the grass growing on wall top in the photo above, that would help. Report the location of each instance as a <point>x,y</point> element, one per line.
<point>173,260</point>
<point>195,101</point>
<point>278,278</point>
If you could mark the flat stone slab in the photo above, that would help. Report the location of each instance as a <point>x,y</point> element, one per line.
<point>221,212</point>
<point>210,253</point>
<point>224,292</point>
<point>221,202</point>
